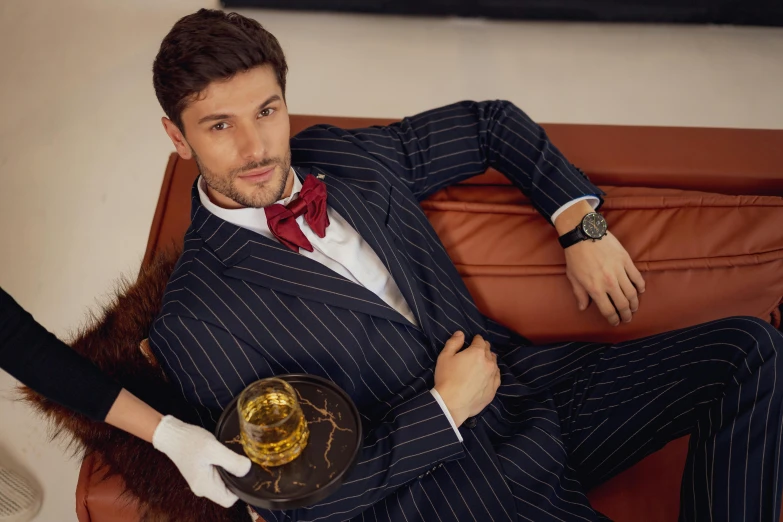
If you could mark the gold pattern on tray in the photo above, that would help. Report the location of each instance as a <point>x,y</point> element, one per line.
<point>327,416</point>
<point>277,474</point>
<point>235,440</point>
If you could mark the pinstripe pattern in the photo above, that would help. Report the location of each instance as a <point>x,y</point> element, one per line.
<point>240,306</point>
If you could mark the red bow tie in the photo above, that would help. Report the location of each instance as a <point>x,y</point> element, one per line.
<point>312,203</point>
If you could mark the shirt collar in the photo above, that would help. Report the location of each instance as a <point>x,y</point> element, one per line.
<point>249,218</point>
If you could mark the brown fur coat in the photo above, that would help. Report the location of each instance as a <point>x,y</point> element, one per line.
<point>111,340</point>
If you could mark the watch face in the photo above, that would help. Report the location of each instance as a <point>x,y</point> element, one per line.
<point>594,225</point>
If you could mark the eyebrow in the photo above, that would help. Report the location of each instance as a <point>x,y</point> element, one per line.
<point>215,117</point>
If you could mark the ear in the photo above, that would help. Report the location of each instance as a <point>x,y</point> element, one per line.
<point>177,138</point>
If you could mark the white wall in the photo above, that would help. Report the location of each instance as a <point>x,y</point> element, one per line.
<point>82,151</point>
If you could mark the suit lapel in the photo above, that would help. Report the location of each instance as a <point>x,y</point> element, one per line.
<point>253,258</point>
<point>369,219</point>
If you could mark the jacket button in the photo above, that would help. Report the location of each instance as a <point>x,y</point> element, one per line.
<point>470,423</point>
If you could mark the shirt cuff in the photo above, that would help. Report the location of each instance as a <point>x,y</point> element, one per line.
<point>443,407</point>
<point>593,200</point>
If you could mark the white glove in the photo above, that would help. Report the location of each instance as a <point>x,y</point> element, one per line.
<point>196,452</point>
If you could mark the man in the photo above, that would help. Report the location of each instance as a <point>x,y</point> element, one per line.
<point>329,267</point>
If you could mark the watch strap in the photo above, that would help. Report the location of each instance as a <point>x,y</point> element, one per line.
<point>571,238</point>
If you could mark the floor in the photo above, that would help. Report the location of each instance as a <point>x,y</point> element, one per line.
<point>82,150</point>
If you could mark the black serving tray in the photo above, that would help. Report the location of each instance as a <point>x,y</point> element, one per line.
<point>329,456</point>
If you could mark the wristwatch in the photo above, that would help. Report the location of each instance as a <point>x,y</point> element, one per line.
<point>593,226</point>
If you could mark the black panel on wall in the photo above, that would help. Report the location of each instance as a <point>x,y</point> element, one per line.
<point>741,12</point>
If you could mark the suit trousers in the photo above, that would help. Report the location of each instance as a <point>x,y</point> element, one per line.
<point>618,403</point>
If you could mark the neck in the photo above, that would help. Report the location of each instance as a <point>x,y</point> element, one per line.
<point>289,183</point>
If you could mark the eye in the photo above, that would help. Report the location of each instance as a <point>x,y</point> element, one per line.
<point>219,126</point>
<point>266,112</point>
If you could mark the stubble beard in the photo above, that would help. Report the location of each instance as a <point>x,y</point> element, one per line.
<point>263,195</point>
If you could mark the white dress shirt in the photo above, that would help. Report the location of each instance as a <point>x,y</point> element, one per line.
<point>342,250</point>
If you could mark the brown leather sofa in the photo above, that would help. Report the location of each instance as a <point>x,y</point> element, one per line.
<point>699,210</point>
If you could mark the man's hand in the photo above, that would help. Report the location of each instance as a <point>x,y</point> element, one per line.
<point>466,381</point>
<point>601,270</point>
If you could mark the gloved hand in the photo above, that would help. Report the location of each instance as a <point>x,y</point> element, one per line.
<point>196,452</point>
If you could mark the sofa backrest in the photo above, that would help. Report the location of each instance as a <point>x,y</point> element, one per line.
<point>698,209</point>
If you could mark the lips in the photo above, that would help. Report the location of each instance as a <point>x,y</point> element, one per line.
<point>258,175</point>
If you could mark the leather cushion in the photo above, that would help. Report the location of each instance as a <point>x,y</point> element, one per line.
<point>703,256</point>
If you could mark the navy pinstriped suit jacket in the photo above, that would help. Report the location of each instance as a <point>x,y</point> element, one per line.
<point>240,307</point>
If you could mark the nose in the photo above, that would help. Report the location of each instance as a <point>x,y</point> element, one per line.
<point>251,143</point>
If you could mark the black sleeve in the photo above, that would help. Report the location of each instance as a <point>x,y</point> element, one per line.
<point>41,361</point>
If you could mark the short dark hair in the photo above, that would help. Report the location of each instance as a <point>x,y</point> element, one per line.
<point>207,46</point>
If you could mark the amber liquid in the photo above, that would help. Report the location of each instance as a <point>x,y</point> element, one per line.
<point>268,441</point>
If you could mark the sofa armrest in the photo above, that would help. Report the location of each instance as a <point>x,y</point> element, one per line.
<point>100,499</point>
<point>82,509</point>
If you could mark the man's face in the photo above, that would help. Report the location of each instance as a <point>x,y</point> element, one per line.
<point>238,132</point>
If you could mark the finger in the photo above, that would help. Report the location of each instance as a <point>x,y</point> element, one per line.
<point>236,464</point>
<point>606,308</point>
<point>478,342</point>
<point>582,297</point>
<point>453,345</point>
<point>492,358</point>
<point>621,303</point>
<point>218,492</point>
<point>629,291</point>
<point>635,276</point>
<point>493,381</point>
